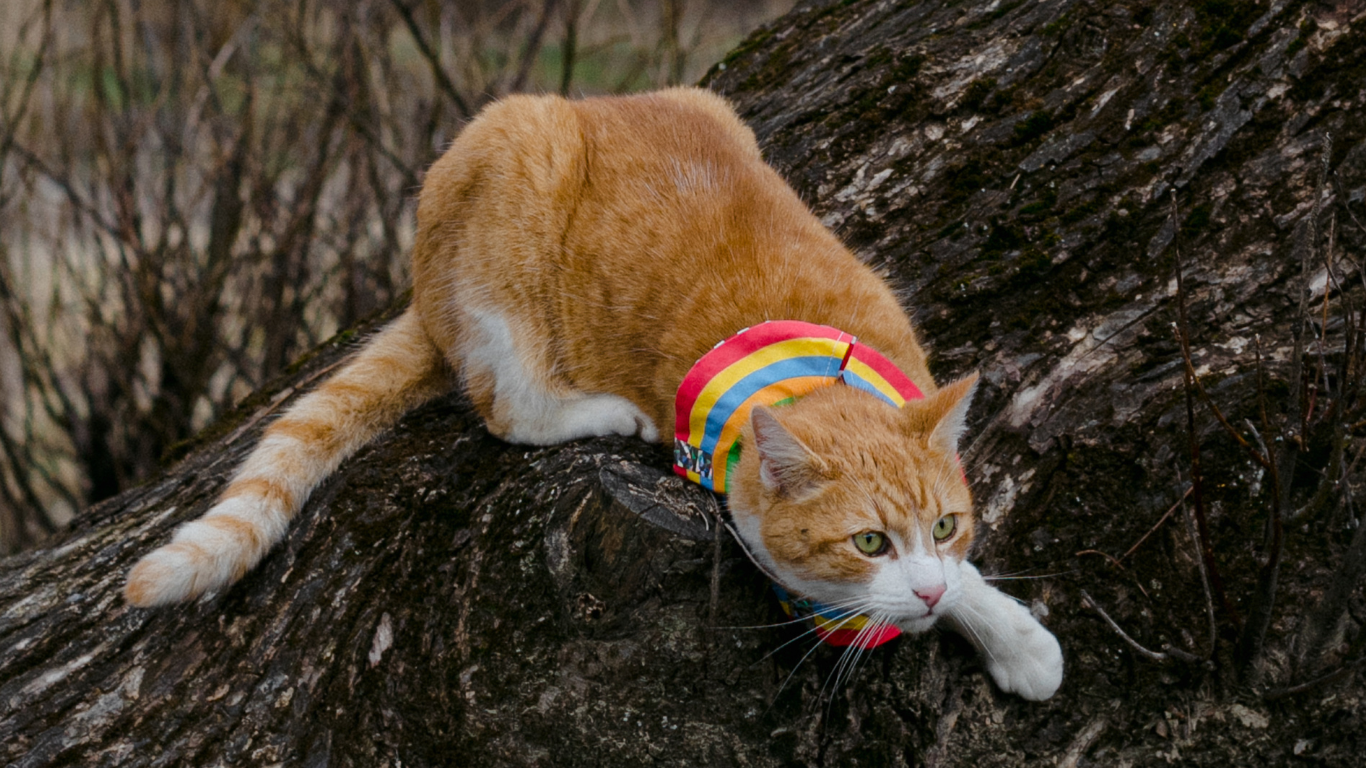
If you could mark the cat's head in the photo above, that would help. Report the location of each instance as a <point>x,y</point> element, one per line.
<point>856,504</point>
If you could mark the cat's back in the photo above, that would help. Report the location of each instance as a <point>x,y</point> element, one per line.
<point>551,147</point>
<point>532,174</point>
<point>619,238</point>
<point>542,199</point>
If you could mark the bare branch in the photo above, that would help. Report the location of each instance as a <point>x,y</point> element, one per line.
<point>570,45</point>
<point>443,81</point>
<point>533,46</point>
<point>1093,605</point>
<point>1192,383</point>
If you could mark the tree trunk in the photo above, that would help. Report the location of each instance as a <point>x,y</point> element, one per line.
<point>1027,172</point>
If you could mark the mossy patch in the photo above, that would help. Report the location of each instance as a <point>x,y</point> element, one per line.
<point>753,43</point>
<point>1037,124</point>
<point>1002,238</point>
<point>1209,95</point>
<point>1197,222</point>
<point>1079,212</point>
<point>1048,198</point>
<point>1223,23</point>
<point>953,230</point>
<point>963,181</point>
<point>975,95</point>
<point>1120,228</point>
<point>1307,28</point>
<point>772,70</point>
<point>1059,25</point>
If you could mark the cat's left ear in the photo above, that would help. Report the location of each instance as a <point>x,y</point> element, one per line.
<point>947,410</point>
<point>786,466</point>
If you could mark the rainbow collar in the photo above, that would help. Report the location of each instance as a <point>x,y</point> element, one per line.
<point>837,627</point>
<point>774,363</point>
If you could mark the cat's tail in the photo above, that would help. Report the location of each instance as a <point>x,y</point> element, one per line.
<point>399,369</point>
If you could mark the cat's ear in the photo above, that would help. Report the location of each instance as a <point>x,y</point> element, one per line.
<point>786,466</point>
<point>947,410</point>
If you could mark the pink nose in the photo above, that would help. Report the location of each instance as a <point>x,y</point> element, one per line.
<point>930,595</point>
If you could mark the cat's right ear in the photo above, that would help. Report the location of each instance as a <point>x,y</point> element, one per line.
<point>786,466</point>
<point>948,411</point>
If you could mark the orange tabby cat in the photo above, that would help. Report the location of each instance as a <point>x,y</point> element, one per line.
<point>573,261</point>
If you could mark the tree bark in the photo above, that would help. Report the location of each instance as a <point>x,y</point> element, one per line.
<point>449,599</point>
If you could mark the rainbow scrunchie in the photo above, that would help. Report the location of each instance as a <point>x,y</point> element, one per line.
<point>772,363</point>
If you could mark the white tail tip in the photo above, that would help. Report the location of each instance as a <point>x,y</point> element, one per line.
<point>211,552</point>
<point>166,576</point>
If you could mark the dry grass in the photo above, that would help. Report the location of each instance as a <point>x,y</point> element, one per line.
<point>193,193</point>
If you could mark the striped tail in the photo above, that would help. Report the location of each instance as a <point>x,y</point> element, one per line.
<point>396,371</point>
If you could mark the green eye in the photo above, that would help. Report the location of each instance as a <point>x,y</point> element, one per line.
<point>871,543</point>
<point>945,527</point>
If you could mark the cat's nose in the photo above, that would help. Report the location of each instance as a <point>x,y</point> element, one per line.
<point>930,595</point>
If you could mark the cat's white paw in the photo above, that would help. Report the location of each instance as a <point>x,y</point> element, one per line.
<point>1026,659</point>
<point>647,429</point>
<point>1020,654</point>
<point>559,420</point>
<point>611,415</point>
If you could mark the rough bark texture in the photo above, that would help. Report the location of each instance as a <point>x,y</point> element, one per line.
<point>449,599</point>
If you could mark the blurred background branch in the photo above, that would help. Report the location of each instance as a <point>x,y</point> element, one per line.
<point>193,193</point>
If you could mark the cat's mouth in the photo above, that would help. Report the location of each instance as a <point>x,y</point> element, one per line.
<point>918,624</point>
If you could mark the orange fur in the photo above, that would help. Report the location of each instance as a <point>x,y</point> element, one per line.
<point>613,241</point>
<point>270,490</point>
<point>572,261</point>
<point>630,235</point>
<point>879,474</point>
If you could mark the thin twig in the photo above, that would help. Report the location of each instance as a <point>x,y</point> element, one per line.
<point>433,60</point>
<point>1157,525</point>
<point>569,46</point>
<point>533,46</point>
<point>1204,578</point>
<point>1192,383</point>
<point>1154,655</point>
<point>1253,639</point>
<point>1105,555</point>
<point>1343,583</point>
<point>1324,679</point>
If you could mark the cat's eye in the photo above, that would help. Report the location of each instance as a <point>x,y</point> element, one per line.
<point>871,543</point>
<point>944,527</point>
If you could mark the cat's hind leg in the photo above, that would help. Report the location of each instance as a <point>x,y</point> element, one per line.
<point>1022,656</point>
<point>509,379</point>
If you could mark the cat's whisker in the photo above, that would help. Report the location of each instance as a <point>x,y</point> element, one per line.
<point>1008,577</point>
<point>744,547</point>
<point>851,604</point>
<point>967,626</point>
<point>847,666</point>
<point>833,681</point>
<point>880,620</point>
<point>855,611</point>
<point>855,608</point>
<point>848,661</point>
<point>797,666</point>
<point>845,653</point>
<point>788,623</point>
<point>844,669</point>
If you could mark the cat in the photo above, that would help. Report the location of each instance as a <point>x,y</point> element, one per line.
<point>573,263</point>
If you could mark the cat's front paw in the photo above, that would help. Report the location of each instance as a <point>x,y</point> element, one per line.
<point>1027,660</point>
